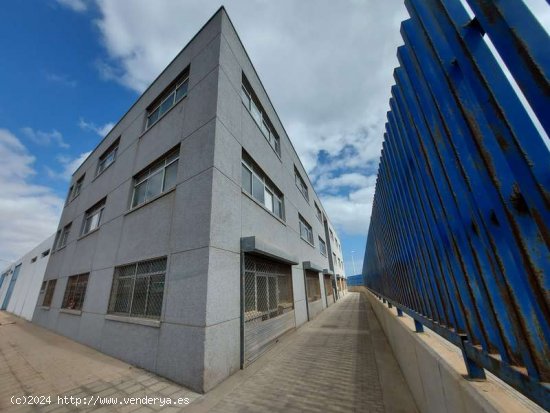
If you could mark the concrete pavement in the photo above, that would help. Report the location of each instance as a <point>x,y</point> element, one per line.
<point>339,362</point>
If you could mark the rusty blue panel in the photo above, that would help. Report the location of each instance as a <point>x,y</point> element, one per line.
<point>523,45</point>
<point>459,234</point>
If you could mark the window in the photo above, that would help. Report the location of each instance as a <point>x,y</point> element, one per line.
<point>318,212</point>
<point>300,183</point>
<point>138,289</point>
<point>305,230</point>
<point>331,235</point>
<point>172,95</point>
<point>43,286</point>
<point>252,103</point>
<point>108,157</point>
<point>268,289</point>
<point>156,179</point>
<point>92,218</point>
<point>63,236</point>
<point>75,292</point>
<point>334,262</point>
<point>50,289</point>
<point>256,183</point>
<point>34,259</point>
<point>45,253</point>
<point>322,247</point>
<point>69,194</point>
<point>77,187</point>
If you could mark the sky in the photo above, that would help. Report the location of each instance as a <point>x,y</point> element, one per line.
<point>71,68</point>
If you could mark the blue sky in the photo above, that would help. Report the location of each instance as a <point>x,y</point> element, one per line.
<point>71,68</point>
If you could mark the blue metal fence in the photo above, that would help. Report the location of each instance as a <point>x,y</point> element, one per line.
<point>460,228</point>
<point>355,280</point>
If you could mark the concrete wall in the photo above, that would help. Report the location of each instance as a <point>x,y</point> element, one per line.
<point>176,225</point>
<point>198,225</point>
<point>27,286</point>
<point>435,371</point>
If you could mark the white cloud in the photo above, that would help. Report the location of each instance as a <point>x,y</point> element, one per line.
<point>45,138</point>
<point>29,213</point>
<point>60,79</point>
<point>101,130</point>
<point>78,6</point>
<point>68,166</point>
<point>351,211</point>
<point>329,79</point>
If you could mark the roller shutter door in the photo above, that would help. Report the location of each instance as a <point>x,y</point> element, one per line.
<point>269,304</point>
<point>313,290</point>
<point>328,290</point>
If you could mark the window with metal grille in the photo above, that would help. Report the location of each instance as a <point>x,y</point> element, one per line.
<point>322,247</point>
<point>268,289</point>
<point>156,179</point>
<point>75,292</point>
<point>313,286</point>
<point>260,187</point>
<point>301,184</point>
<point>92,218</point>
<point>306,232</point>
<point>252,103</point>
<point>63,236</point>
<point>138,289</point>
<point>50,289</point>
<point>171,95</point>
<point>108,157</point>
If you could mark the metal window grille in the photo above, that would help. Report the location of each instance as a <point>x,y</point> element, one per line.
<point>75,292</point>
<point>313,286</point>
<point>50,289</point>
<point>268,289</point>
<point>138,289</point>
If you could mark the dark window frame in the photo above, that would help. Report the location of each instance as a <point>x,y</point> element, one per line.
<point>301,184</point>
<point>124,294</point>
<point>48,295</point>
<point>322,246</point>
<point>277,197</point>
<point>102,164</point>
<point>176,91</point>
<point>96,210</point>
<point>75,292</point>
<point>252,104</point>
<point>145,177</point>
<point>304,225</point>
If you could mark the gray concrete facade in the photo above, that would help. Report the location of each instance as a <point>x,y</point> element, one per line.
<point>198,224</point>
